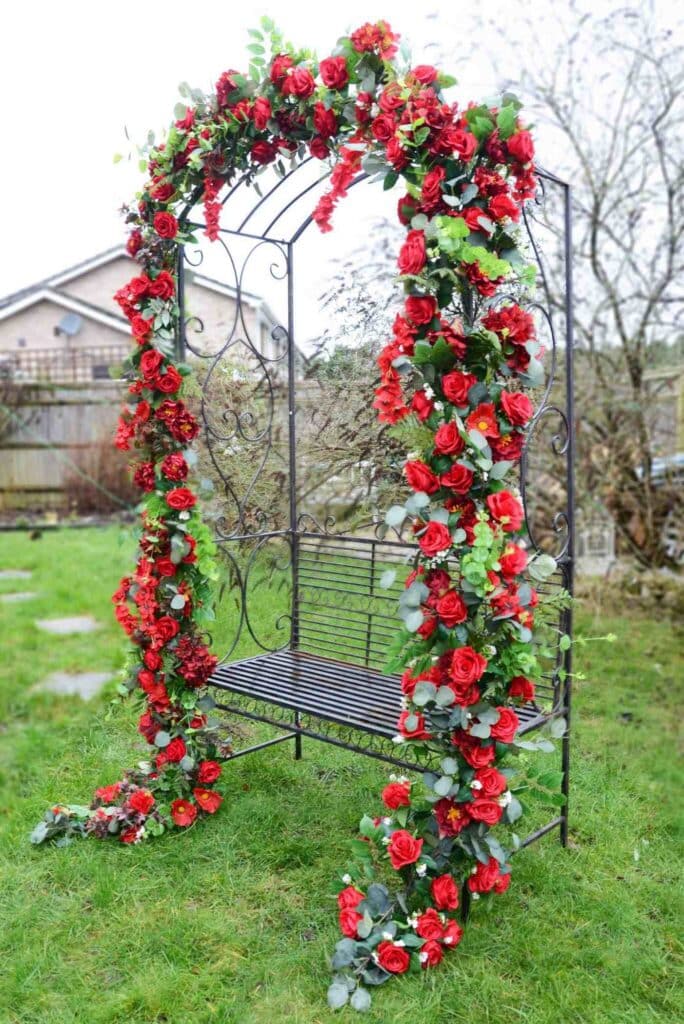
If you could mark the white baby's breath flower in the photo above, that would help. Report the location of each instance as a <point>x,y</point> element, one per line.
<point>476,784</point>
<point>421,869</point>
<point>346,879</point>
<point>387,936</point>
<point>505,798</point>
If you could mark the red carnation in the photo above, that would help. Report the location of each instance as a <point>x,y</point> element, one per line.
<point>174,467</point>
<point>141,801</point>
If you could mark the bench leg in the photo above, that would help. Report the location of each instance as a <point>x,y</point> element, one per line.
<point>298,739</point>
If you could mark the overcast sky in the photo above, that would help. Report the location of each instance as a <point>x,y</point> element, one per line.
<point>76,73</point>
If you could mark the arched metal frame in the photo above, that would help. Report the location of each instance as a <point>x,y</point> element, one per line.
<point>323,678</point>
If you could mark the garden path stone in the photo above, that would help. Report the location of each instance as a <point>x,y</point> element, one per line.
<point>19,595</point>
<point>80,684</point>
<point>15,574</point>
<point>72,624</point>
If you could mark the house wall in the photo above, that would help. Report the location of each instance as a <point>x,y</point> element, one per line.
<point>36,325</point>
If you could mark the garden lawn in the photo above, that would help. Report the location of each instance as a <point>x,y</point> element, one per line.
<point>231,922</point>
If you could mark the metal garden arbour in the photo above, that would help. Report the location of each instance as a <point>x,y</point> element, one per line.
<point>319,671</point>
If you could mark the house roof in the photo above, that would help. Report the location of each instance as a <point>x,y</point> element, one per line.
<point>53,289</point>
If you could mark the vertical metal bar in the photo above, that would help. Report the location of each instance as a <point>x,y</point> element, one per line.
<point>180,331</point>
<point>465,902</point>
<point>369,614</point>
<point>292,442</point>
<point>292,463</point>
<point>570,465</point>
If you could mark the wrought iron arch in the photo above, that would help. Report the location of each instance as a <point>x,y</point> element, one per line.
<point>317,670</point>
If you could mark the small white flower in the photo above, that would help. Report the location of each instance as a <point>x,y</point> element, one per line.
<point>412,921</point>
<point>475,895</point>
<point>387,821</point>
<point>398,740</point>
<point>476,784</point>
<point>387,936</point>
<point>429,393</point>
<point>400,943</point>
<point>346,879</point>
<point>393,777</point>
<point>505,798</point>
<point>421,869</point>
<point>423,958</point>
<point>439,406</point>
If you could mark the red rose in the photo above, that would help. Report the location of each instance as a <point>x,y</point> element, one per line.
<point>429,924</point>
<point>467,666</point>
<point>444,892</point>
<point>165,629</point>
<point>261,113</point>
<point>518,407</point>
<point>463,143</point>
<point>134,242</point>
<point>418,732</point>
<point>393,958</point>
<point>502,883</point>
<point>451,817</point>
<point>397,794</point>
<point>349,920</point>
<point>451,609</point>
<point>506,510</point>
<point>141,328</point>
<point>485,810</point>
<point>208,800</point>
<point>279,68</point>
<point>424,73</point>
<point>492,782</point>
<point>147,727</point>
<point>505,729</point>
<point>484,876</point>
<point>141,801</point>
<point>349,898</point>
<point>263,152</point>
<point>483,419</point>
<point>431,954</point>
<point>502,206</point>
<point>448,440</point>
<point>108,794</point>
<point>180,498</point>
<point>169,382</point>
<point>456,386</point>
<point>431,191</point>
<point>397,156</point>
<point>165,224</point>
<point>407,207</point>
<point>324,120</point>
<point>165,567</point>
<point>174,467</point>
<point>299,83</point>
<point>208,772</point>
<point>130,835</point>
<point>383,127</point>
<point>403,849</point>
<point>333,72</point>
<point>521,147</point>
<point>521,689</point>
<point>319,148</point>
<point>412,255</point>
<point>150,361</point>
<point>420,309</point>
<point>163,286</point>
<point>162,192</point>
<point>458,479</point>
<point>453,933</point>
<point>183,812</point>
<point>421,405</point>
<point>420,477</point>
<point>435,538</point>
<point>513,561</point>
<point>176,750</point>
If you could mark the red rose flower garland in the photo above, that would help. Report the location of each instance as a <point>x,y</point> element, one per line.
<point>452,375</point>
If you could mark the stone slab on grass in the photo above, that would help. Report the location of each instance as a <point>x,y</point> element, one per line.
<point>19,595</point>
<point>73,624</point>
<point>79,684</point>
<point>15,574</point>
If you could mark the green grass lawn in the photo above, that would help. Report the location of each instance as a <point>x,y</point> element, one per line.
<point>231,922</point>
